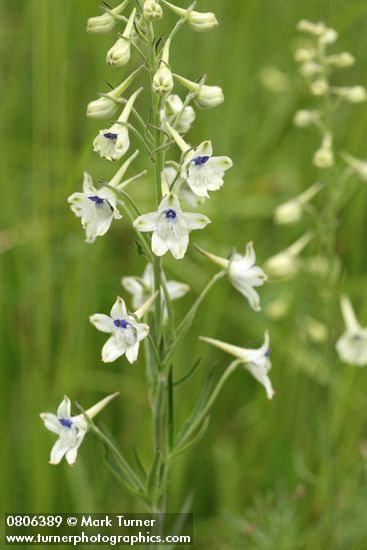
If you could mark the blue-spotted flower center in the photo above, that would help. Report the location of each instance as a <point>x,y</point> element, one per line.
<point>66,422</point>
<point>121,323</point>
<point>96,199</point>
<point>199,161</point>
<point>268,352</point>
<point>110,135</point>
<point>170,214</point>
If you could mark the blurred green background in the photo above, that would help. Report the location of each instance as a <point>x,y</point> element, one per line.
<point>261,478</point>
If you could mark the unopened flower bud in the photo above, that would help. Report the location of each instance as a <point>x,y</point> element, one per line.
<point>291,211</point>
<point>324,157</point>
<point>197,21</point>
<point>304,54</point>
<point>357,165</point>
<point>106,22</point>
<point>106,106</point>
<point>152,10</point>
<point>353,94</point>
<point>163,79</point>
<point>305,118</point>
<point>206,96</point>
<point>286,263</point>
<point>329,36</point>
<point>173,108</point>
<point>316,29</point>
<point>310,68</point>
<point>319,87</point>
<point>316,331</point>
<point>120,52</point>
<point>340,60</point>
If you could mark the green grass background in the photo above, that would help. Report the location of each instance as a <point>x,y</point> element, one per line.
<point>262,477</point>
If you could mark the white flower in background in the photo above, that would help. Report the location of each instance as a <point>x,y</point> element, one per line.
<point>96,208</point>
<point>310,69</point>
<point>152,11</point>
<point>197,21</point>
<point>119,54</point>
<point>256,361</point>
<point>352,345</point>
<point>106,106</point>
<point>292,210</point>
<point>274,80</point>
<point>106,22</point>
<point>242,272</point>
<point>353,94</point>
<point>358,166</point>
<point>112,143</point>
<point>301,55</point>
<point>174,110</point>
<point>170,227</point>
<point>142,288</point>
<point>126,332</point>
<point>324,157</point>
<point>316,331</point>
<point>200,169</point>
<point>70,429</point>
<point>163,79</point>
<point>182,189</point>
<point>305,118</point>
<point>206,97</point>
<point>287,262</point>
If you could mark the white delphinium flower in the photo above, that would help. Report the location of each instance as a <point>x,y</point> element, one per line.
<point>96,208</point>
<point>197,21</point>
<point>70,429</point>
<point>163,79</point>
<point>305,118</point>
<point>114,142</point>
<point>256,361</point>
<point>292,210</point>
<point>310,69</point>
<point>126,332</point>
<point>119,54</point>
<point>287,262</point>
<point>174,109</point>
<point>106,106</point>
<point>353,94</point>
<point>170,227</point>
<point>152,10</point>
<point>183,191</point>
<point>206,97</point>
<point>141,288</point>
<point>242,272</point>
<point>106,22</point>
<point>324,157</point>
<point>200,169</point>
<point>358,166</point>
<point>352,345</point>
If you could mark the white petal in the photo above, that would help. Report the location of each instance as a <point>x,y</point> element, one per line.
<point>142,331</point>
<point>221,164</point>
<point>71,454</point>
<point>58,451</point>
<point>261,375</point>
<point>147,222</point>
<point>177,290</point>
<point>249,293</point>
<point>118,310</point>
<point>102,322</point>
<point>195,221</point>
<point>179,246</point>
<point>132,353</point>
<point>88,184</point>
<point>51,422</point>
<point>112,350</point>
<point>205,149</point>
<point>159,245</point>
<point>64,408</point>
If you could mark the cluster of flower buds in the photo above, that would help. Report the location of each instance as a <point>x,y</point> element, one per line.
<point>316,65</point>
